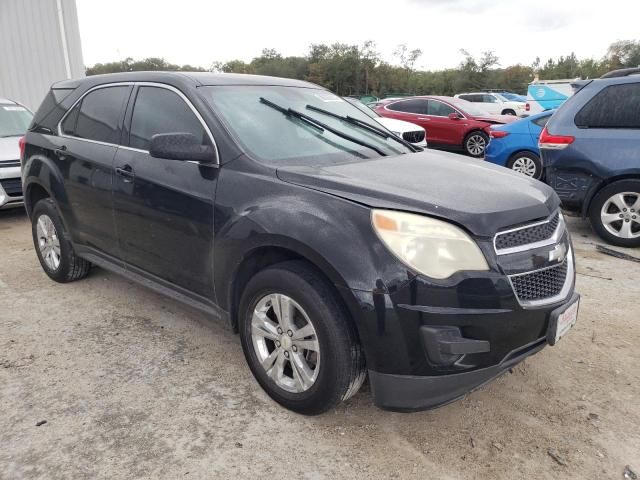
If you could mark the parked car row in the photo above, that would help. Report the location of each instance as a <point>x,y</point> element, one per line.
<point>14,120</point>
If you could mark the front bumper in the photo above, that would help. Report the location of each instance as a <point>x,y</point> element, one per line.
<point>10,187</point>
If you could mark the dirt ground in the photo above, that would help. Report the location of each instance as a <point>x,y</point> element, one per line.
<point>133,385</point>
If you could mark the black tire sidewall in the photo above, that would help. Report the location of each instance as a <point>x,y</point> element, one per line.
<point>471,134</point>
<point>596,206</point>
<point>332,333</point>
<point>531,155</point>
<point>48,207</point>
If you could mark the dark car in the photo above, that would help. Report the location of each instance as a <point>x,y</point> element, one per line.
<point>332,247</point>
<point>451,123</point>
<point>591,153</point>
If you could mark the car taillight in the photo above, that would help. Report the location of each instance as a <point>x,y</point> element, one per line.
<point>498,133</point>
<point>21,144</point>
<point>554,142</point>
<point>527,107</point>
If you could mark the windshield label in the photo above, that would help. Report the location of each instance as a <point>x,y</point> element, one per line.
<point>12,108</point>
<point>328,97</point>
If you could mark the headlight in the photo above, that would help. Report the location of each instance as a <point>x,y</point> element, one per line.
<point>432,247</point>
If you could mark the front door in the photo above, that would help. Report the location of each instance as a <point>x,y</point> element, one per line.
<point>444,130</point>
<point>164,208</point>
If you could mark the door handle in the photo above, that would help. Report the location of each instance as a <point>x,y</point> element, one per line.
<point>126,172</point>
<point>60,152</point>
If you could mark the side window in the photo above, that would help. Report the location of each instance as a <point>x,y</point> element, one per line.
<point>410,106</point>
<point>489,99</point>
<point>616,106</point>
<point>98,115</point>
<point>468,98</point>
<point>159,110</point>
<point>69,123</point>
<point>440,109</point>
<point>542,121</point>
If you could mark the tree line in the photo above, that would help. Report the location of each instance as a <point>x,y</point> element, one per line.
<point>360,70</point>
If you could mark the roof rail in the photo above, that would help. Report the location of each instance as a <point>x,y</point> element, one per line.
<point>623,72</point>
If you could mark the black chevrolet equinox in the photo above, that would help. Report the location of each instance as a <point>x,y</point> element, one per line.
<point>333,247</point>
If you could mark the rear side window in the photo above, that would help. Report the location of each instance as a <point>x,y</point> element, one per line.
<point>542,121</point>
<point>97,117</point>
<point>616,106</point>
<point>158,110</point>
<point>410,106</point>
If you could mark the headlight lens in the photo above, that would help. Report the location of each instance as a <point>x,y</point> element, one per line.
<point>432,247</point>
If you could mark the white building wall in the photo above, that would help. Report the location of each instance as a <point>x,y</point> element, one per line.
<point>39,45</point>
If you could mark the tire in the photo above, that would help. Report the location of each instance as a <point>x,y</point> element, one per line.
<point>607,207</point>
<point>527,163</point>
<point>475,143</point>
<point>509,112</point>
<point>51,241</point>
<point>336,369</point>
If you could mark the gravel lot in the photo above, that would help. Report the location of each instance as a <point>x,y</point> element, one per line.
<point>134,385</point>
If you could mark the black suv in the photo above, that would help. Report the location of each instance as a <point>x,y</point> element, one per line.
<point>329,244</point>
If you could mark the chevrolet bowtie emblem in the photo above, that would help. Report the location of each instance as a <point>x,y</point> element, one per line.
<point>558,253</point>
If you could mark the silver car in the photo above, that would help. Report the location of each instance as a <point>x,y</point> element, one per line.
<point>14,120</point>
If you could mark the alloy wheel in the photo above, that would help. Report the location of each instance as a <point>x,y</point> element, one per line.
<point>525,165</point>
<point>476,144</point>
<point>48,242</point>
<point>285,342</point>
<point>620,216</point>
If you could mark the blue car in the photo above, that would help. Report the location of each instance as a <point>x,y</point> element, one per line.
<point>515,145</point>
<point>591,153</point>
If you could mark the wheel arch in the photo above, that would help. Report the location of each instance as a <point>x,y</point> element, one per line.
<point>597,187</point>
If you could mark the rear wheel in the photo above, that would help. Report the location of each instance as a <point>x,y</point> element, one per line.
<point>55,252</point>
<point>475,143</point>
<point>615,213</point>
<point>527,163</point>
<point>298,341</point>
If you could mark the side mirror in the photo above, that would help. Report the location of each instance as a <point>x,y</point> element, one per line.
<point>181,146</point>
<point>454,116</point>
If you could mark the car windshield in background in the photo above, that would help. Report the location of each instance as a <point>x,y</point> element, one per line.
<point>469,107</point>
<point>268,122</point>
<point>14,120</point>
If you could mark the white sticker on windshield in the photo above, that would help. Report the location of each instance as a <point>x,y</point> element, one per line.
<point>14,108</point>
<point>328,97</point>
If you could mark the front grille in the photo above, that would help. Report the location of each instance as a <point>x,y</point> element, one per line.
<point>9,163</point>
<point>13,186</point>
<point>541,284</point>
<point>414,137</point>
<point>527,235</point>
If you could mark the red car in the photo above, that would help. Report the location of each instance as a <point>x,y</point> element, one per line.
<point>451,123</point>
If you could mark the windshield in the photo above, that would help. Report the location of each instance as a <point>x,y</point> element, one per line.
<point>14,120</point>
<point>253,114</point>
<point>362,107</point>
<point>473,109</point>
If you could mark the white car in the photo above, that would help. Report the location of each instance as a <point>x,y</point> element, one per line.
<point>14,120</point>
<point>408,131</point>
<point>495,104</point>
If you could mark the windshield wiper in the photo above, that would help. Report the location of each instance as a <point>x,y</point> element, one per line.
<point>366,126</point>
<point>317,124</point>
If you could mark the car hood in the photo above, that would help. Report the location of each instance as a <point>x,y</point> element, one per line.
<point>399,126</point>
<point>9,149</point>
<point>481,197</point>
<point>496,119</point>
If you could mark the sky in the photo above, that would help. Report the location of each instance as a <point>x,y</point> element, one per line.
<point>199,32</point>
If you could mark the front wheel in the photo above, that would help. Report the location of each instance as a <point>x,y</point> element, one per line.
<point>615,213</point>
<point>475,143</point>
<point>527,163</point>
<point>297,339</point>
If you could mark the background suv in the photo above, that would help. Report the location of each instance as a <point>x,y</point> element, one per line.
<point>591,153</point>
<point>14,120</point>
<point>495,103</point>
<point>451,123</point>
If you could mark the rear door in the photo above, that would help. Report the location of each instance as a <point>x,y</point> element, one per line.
<point>89,134</point>
<point>164,208</point>
<point>412,110</point>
